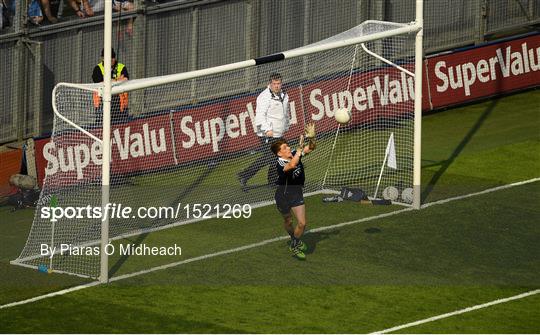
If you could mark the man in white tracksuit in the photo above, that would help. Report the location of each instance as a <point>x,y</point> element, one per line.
<point>272,121</point>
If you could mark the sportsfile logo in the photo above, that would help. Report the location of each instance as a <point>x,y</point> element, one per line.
<point>53,212</point>
<point>508,62</point>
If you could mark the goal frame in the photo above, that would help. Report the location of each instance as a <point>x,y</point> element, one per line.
<point>107,90</point>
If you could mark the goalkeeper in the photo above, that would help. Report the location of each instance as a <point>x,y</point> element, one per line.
<point>289,193</point>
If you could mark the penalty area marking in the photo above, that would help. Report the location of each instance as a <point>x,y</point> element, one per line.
<point>281,238</point>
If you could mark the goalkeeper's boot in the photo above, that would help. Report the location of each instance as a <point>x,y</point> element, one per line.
<point>302,246</point>
<point>299,254</point>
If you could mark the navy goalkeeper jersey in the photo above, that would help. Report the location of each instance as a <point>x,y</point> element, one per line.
<point>291,177</point>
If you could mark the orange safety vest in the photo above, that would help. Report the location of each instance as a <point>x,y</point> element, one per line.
<point>123,96</point>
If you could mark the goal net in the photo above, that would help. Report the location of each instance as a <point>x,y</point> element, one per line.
<point>187,141</point>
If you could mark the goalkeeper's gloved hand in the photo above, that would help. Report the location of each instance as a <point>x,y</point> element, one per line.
<point>310,131</point>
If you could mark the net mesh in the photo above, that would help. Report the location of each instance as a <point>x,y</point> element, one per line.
<point>193,141</point>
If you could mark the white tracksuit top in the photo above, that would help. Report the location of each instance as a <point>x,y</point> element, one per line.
<point>272,113</point>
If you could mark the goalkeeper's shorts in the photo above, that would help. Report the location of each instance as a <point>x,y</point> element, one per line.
<point>287,198</point>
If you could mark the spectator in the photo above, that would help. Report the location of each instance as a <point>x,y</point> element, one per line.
<point>53,9</point>
<point>35,16</point>
<point>82,8</point>
<point>50,9</point>
<point>122,6</point>
<point>96,5</point>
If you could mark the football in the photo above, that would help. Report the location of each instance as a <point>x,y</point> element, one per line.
<point>407,195</point>
<point>343,115</point>
<point>390,193</point>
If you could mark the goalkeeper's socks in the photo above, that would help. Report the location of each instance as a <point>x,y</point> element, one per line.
<point>292,238</point>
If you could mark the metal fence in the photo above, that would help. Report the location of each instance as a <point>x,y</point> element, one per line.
<point>182,35</point>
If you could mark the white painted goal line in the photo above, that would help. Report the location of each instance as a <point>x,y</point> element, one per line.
<point>258,244</point>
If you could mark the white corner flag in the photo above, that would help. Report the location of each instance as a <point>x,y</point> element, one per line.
<point>391,152</point>
<point>389,159</point>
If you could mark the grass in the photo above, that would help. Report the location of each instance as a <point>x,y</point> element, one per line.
<point>360,278</point>
<point>410,269</point>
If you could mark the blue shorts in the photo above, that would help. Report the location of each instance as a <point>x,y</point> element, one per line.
<point>288,198</point>
<point>34,9</point>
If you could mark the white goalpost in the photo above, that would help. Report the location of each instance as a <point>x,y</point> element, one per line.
<point>106,136</point>
<point>187,136</point>
<point>418,64</point>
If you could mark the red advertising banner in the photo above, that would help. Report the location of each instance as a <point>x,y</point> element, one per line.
<point>227,126</point>
<point>140,145</point>
<point>481,72</point>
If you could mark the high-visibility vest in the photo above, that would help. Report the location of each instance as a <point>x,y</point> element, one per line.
<point>123,96</point>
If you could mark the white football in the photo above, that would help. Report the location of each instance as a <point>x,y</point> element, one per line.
<point>343,115</point>
<point>390,193</point>
<point>407,195</point>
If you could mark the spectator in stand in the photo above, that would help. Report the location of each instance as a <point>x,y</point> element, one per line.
<point>35,16</point>
<point>81,8</point>
<point>50,9</point>
<point>53,9</point>
<point>124,6</point>
<point>95,5</point>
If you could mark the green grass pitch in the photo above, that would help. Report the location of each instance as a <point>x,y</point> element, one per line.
<point>359,278</point>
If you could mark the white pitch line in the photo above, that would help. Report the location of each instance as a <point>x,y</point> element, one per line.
<point>461,311</point>
<point>199,258</point>
<point>254,245</point>
<point>489,190</point>
<point>258,244</point>
<point>49,295</point>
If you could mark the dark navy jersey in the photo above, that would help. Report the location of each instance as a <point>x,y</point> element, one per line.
<point>292,177</point>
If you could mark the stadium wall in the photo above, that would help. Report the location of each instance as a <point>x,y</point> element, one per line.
<point>451,78</point>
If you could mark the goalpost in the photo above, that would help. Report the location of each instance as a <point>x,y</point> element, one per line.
<point>190,134</point>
